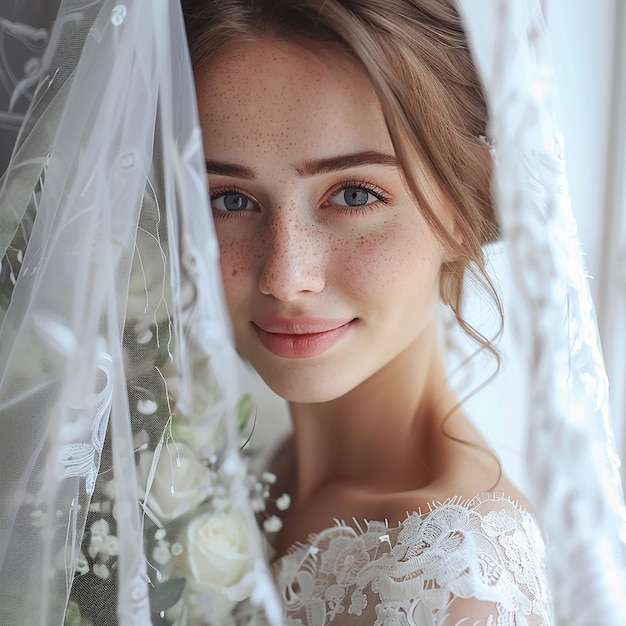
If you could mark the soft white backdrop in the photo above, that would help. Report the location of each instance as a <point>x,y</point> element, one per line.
<point>589,51</point>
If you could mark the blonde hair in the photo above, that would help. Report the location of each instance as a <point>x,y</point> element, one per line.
<point>416,55</point>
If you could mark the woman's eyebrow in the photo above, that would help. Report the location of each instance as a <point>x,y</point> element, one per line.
<point>346,161</point>
<point>229,169</point>
<point>313,167</point>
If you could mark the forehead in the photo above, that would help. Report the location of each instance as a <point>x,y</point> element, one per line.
<point>285,96</point>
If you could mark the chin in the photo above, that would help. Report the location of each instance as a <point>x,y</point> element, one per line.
<point>306,387</point>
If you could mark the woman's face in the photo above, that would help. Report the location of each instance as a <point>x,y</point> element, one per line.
<point>330,271</point>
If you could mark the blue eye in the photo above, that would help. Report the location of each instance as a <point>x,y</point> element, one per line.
<point>353,196</point>
<point>356,196</point>
<point>232,202</point>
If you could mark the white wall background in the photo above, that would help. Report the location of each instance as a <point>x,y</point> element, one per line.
<point>582,34</point>
<point>590,61</point>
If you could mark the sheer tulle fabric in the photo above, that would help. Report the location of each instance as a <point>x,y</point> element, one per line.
<point>116,334</point>
<point>118,394</point>
<point>572,468</point>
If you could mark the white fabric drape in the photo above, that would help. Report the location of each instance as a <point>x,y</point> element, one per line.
<point>116,311</point>
<point>571,461</point>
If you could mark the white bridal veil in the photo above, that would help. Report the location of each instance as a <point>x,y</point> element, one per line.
<point>116,366</point>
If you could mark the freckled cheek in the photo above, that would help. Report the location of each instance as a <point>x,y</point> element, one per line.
<point>384,266</point>
<point>238,263</point>
<point>371,261</point>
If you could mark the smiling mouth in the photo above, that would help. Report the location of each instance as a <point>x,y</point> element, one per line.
<point>300,345</point>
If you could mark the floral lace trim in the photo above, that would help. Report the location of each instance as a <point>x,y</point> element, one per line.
<point>486,549</point>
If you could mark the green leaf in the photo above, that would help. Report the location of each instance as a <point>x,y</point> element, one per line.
<point>72,615</point>
<point>245,409</point>
<point>166,594</point>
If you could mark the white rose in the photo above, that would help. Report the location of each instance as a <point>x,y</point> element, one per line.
<point>180,481</point>
<point>217,548</point>
<point>216,545</point>
<point>204,401</point>
<point>203,439</point>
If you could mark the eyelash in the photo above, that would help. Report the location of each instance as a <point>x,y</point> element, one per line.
<point>369,187</point>
<point>223,191</point>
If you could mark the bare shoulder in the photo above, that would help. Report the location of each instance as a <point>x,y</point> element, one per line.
<point>473,467</point>
<point>473,473</point>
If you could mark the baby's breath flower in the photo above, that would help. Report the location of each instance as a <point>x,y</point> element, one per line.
<point>268,477</point>
<point>111,546</point>
<point>284,502</point>
<point>101,570</point>
<point>161,553</point>
<point>100,528</point>
<point>272,524</point>
<point>218,517</point>
<point>95,546</point>
<point>147,406</point>
<point>82,567</point>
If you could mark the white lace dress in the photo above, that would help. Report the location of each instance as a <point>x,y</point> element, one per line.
<point>462,563</point>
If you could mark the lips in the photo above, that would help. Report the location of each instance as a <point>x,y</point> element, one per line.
<point>300,337</point>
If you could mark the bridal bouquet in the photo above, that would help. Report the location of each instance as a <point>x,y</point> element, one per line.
<point>195,533</point>
<point>196,539</point>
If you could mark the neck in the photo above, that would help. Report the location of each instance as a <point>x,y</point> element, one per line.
<point>379,436</point>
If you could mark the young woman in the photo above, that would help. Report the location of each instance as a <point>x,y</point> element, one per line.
<point>349,181</point>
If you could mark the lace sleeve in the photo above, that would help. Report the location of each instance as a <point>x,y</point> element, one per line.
<point>464,562</point>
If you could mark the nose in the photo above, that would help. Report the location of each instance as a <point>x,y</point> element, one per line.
<point>294,258</point>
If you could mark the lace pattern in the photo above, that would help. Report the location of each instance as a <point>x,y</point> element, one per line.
<point>463,562</point>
